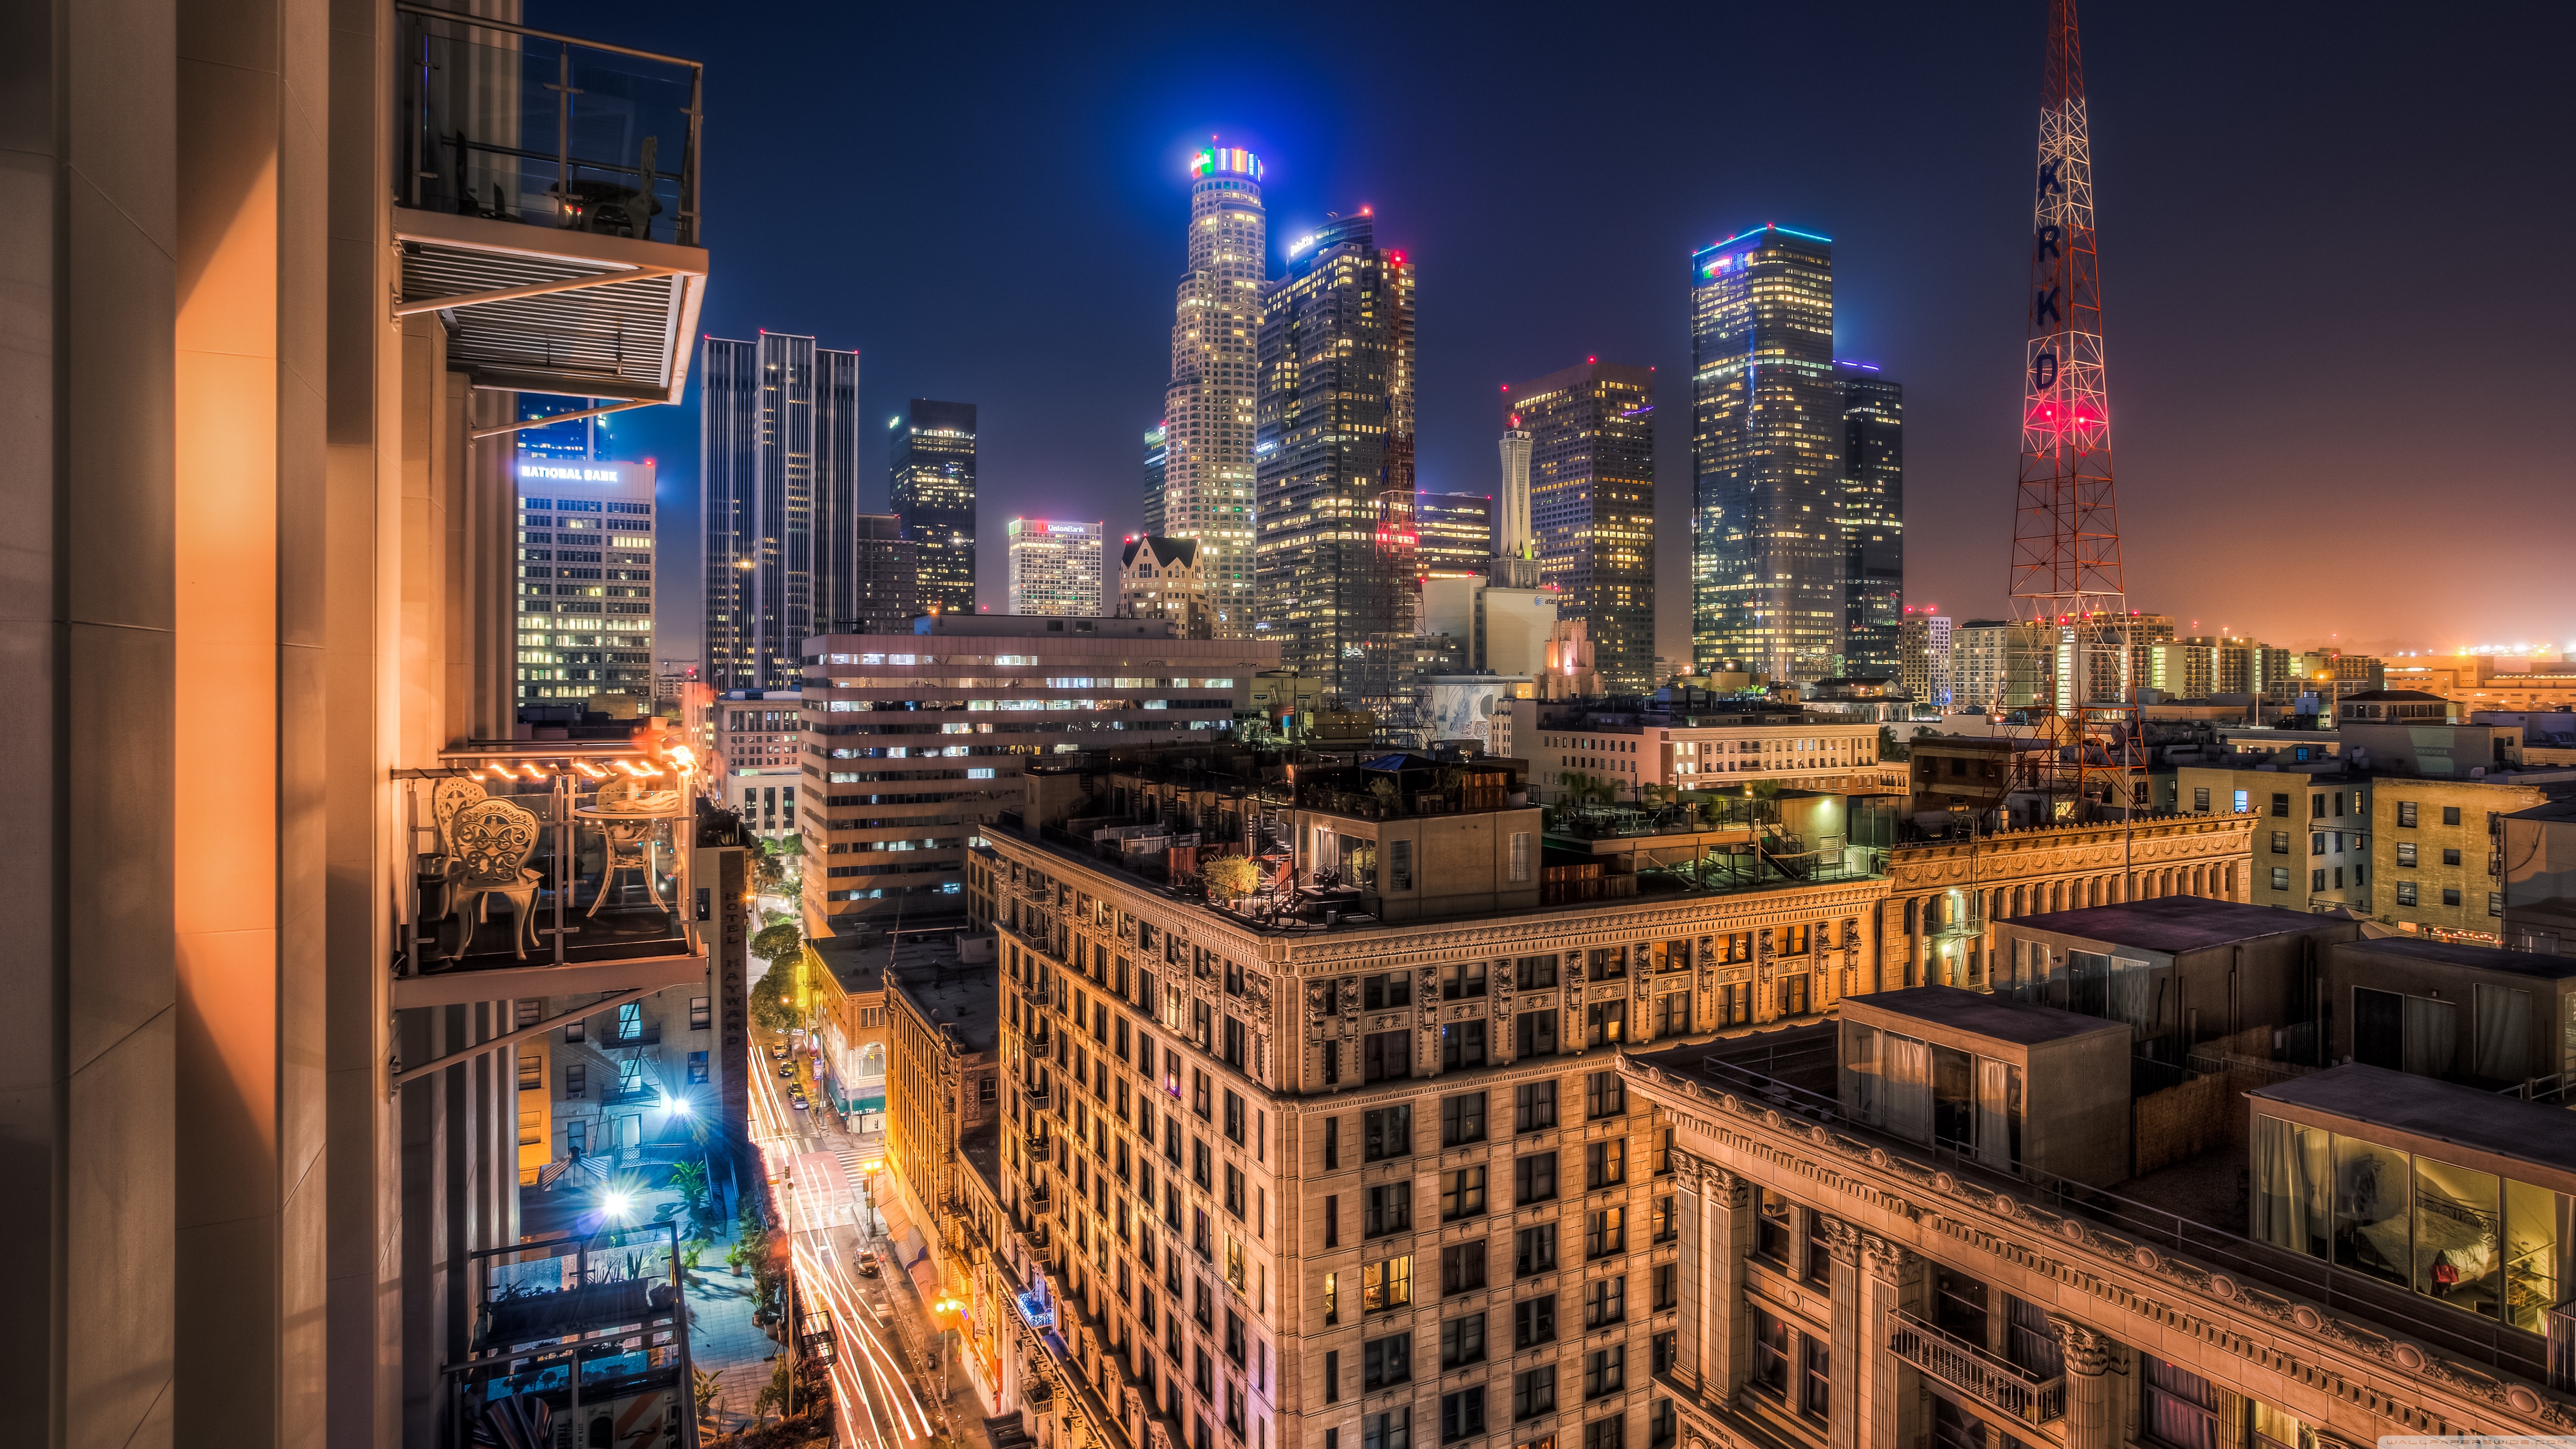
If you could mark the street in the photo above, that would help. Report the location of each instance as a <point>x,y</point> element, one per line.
<point>881,1332</point>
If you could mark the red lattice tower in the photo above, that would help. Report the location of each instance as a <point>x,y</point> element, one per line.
<point>2066,574</point>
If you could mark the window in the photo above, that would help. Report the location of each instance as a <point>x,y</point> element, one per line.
<point>2280,842</point>
<point>1462,1193</point>
<point>532,1071</point>
<point>1388,1286</point>
<point>1673,1014</point>
<point>1385,1361</point>
<point>1390,1210</point>
<point>1386,1132</point>
<point>2317,879</point>
<point>1462,1341</point>
<point>2406,814</point>
<point>1667,1279</point>
<point>1771,1237</point>
<point>1663,1426</point>
<point>1817,1396</point>
<point>2316,842</point>
<point>698,1073</point>
<point>1332,1142</point>
<point>578,1031</point>
<point>2450,814</point>
<point>1332,1360</point>
<point>2495,903</point>
<point>1534,1392</point>
<point>1534,1322</point>
<point>1535,973</point>
<point>699,1013</point>
<point>1605,1023</point>
<point>1461,980</point>
<point>1605,1094</point>
<point>2029,1341</point>
<point>2406,854</point>
<point>1605,1231</point>
<point>2180,1409</point>
<point>576,1081</point>
<point>576,1134</point>
<point>2450,857</point>
<point>1534,1250</point>
<point>1462,1414</point>
<point>2450,896</point>
<point>1605,1164</point>
<point>1462,1267</point>
<point>1605,1301</point>
<point>1520,856</point>
<point>1664,1225</point>
<point>2406,893</point>
<point>1332,1221</point>
<point>1605,1371</point>
<point>2200,799</point>
<point>1533,1106</point>
<point>1234,1043</point>
<point>1386,992</point>
<point>1462,1044</point>
<point>1534,1034</point>
<point>1399,865</point>
<point>1959,1305</point>
<point>1533,1178</point>
<point>1462,1119</point>
<point>1386,1056</point>
<point>1332,1303</point>
<point>1770,1353</point>
<point>1234,1191</point>
<point>2280,877</point>
<point>1390,1430</point>
<point>2281,804</point>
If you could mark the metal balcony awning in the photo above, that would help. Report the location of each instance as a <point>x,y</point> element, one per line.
<point>538,309</point>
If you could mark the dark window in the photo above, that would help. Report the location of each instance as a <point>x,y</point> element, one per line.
<point>1535,973</point>
<point>1820,1259</point>
<point>1534,1034</point>
<point>1668,1286</point>
<point>1462,1119</point>
<point>1534,1178</point>
<point>1332,1375</point>
<point>699,1013</point>
<point>2450,814</point>
<point>1605,1023</point>
<point>1818,1376</point>
<point>1605,1371</point>
<point>1234,1043</point>
<point>1462,979</point>
<point>1234,1118</point>
<point>1390,1430</point>
<point>1462,1193</point>
<point>1534,1322</point>
<point>1462,1267</point>
<point>1390,1209</point>
<point>576,1080</point>
<point>1385,1361</point>
<point>1534,1250</point>
<point>1332,1142</point>
<point>1605,1164</point>
<point>1533,1106</point>
<point>2281,804</point>
<point>1771,1237</point>
<point>1663,1426</point>
<point>1605,1301</point>
<point>1462,1044</point>
<point>2450,857</point>
<point>1664,1348</point>
<point>1462,1340</point>
<point>2028,1340</point>
<point>1959,1305</point>
<point>1534,1392</point>
<point>1332,1221</point>
<point>2405,813</point>
<point>1462,1414</point>
<point>1386,1056</point>
<point>2180,1409</point>
<point>1770,1371</point>
<point>1387,992</point>
<point>1605,1232</point>
<point>1605,1094</point>
<point>1386,1132</point>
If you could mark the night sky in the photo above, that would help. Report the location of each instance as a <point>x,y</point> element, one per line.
<point>2335,246</point>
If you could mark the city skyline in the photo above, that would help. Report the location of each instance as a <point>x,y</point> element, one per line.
<point>1942,108</point>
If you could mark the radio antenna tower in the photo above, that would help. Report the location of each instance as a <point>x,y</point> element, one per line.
<point>2066,573</point>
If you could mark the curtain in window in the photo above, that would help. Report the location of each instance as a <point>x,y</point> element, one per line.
<point>1860,1071</point>
<point>1994,1113</point>
<point>2432,1036</point>
<point>2292,1185</point>
<point>1906,1086</point>
<point>2133,995</point>
<point>2504,1033</point>
<point>2180,1409</point>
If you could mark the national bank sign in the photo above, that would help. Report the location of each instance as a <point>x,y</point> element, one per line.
<point>570,473</point>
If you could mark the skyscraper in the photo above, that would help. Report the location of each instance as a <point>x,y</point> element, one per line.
<point>1923,656</point>
<point>1336,550</point>
<point>1592,506</point>
<point>1453,533</point>
<point>930,485</point>
<point>1873,518</point>
<point>1767,456</point>
<point>1515,538</point>
<point>778,463</point>
<point>585,615</point>
<point>1203,488</point>
<point>885,591</point>
<point>1056,568</point>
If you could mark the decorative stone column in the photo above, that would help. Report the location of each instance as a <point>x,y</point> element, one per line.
<point>1727,1200</point>
<point>1850,1344</point>
<point>2090,1422</point>
<point>1689,1187</point>
<point>1891,1406</point>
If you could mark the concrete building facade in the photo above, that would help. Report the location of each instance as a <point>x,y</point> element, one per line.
<point>1056,567</point>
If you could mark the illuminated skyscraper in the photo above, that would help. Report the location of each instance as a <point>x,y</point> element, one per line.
<point>1203,487</point>
<point>930,485</point>
<point>1767,445</point>
<point>1592,507</point>
<point>1873,519</point>
<point>585,615</point>
<point>778,459</point>
<point>1454,533</point>
<point>1336,551</point>
<point>1056,568</point>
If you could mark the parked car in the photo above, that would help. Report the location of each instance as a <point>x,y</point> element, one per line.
<point>868,1265</point>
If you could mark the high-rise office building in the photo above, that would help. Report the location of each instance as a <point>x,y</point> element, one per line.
<point>885,579</point>
<point>1453,533</point>
<point>1336,550</point>
<point>778,434</point>
<point>1592,505</point>
<point>1767,444</point>
<point>1202,487</point>
<point>1873,518</point>
<point>1515,537</point>
<point>585,608</point>
<point>1923,657</point>
<point>1056,568</point>
<point>930,485</point>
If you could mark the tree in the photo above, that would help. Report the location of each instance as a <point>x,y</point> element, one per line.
<point>771,1008</point>
<point>777,943</point>
<point>1231,877</point>
<point>1888,748</point>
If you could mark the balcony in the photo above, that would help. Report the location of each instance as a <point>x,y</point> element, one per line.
<point>548,207</point>
<point>594,1320</point>
<point>1976,1373</point>
<point>549,871</point>
<point>1037,993</point>
<point>1039,1097</point>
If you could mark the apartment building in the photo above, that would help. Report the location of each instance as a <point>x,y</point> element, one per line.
<point>943,1039</point>
<point>606,1083</point>
<point>2437,848</point>
<point>2311,831</point>
<point>1950,1217</point>
<point>845,1002</point>
<point>1355,1167</point>
<point>756,729</point>
<point>1626,747</point>
<point>913,741</point>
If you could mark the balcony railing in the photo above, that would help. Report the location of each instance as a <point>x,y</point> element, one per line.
<point>1976,1373</point>
<point>577,857</point>
<point>1039,1097</point>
